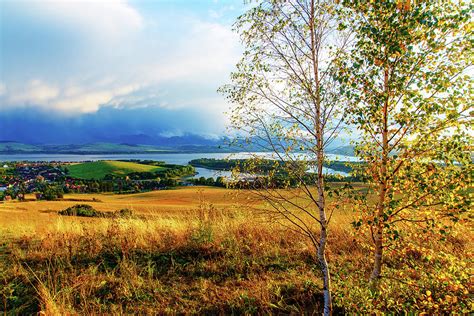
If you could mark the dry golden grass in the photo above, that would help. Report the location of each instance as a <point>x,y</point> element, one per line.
<point>32,217</point>
<point>201,250</point>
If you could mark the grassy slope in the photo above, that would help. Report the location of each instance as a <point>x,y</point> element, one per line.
<point>18,147</point>
<point>99,169</point>
<point>109,147</point>
<point>15,147</point>
<point>206,251</point>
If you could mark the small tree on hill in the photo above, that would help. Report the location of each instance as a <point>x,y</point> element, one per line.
<point>285,101</point>
<point>410,90</point>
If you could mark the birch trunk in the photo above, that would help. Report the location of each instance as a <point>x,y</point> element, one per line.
<point>383,186</point>
<point>322,245</point>
<point>320,161</point>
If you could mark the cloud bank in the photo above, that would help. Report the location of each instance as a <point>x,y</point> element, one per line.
<point>75,59</point>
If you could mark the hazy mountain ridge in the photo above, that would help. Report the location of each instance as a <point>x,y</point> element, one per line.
<point>173,145</point>
<point>124,144</point>
<point>97,148</point>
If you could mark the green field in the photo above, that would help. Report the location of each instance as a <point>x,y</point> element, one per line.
<point>99,169</point>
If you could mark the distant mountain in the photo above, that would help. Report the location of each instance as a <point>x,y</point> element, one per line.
<point>136,143</point>
<point>347,150</point>
<point>163,141</point>
<point>101,148</point>
<point>136,139</point>
<point>15,147</point>
<point>174,144</point>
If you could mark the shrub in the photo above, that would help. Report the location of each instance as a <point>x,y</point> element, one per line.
<point>81,210</point>
<point>85,210</point>
<point>125,212</point>
<point>51,193</point>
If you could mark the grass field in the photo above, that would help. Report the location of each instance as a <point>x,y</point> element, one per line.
<point>31,217</point>
<point>99,169</point>
<point>209,251</point>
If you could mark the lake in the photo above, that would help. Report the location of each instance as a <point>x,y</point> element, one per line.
<point>170,158</point>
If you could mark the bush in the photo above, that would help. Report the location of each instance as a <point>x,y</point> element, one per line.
<point>125,212</point>
<point>83,210</point>
<point>51,193</point>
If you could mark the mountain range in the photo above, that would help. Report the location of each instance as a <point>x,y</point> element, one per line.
<point>11,147</point>
<point>139,144</point>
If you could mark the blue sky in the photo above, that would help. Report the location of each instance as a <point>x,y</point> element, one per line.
<point>68,63</point>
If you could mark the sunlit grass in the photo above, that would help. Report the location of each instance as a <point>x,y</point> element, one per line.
<point>99,169</point>
<point>199,250</point>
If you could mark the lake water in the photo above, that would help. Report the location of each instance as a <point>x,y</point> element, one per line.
<point>178,159</point>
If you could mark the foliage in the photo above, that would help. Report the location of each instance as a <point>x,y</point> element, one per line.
<point>217,164</point>
<point>10,192</point>
<point>426,275</point>
<point>51,192</point>
<point>174,171</point>
<point>263,166</point>
<point>84,210</point>
<point>407,81</point>
<point>285,101</point>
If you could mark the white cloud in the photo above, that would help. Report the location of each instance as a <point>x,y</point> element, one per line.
<point>87,102</point>
<point>207,52</point>
<point>126,60</point>
<point>36,91</point>
<point>67,99</point>
<point>78,100</point>
<point>106,19</point>
<point>214,14</point>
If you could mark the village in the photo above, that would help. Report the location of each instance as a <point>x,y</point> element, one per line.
<point>19,178</point>
<point>51,180</point>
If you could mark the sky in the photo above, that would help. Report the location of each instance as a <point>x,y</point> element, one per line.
<point>75,71</point>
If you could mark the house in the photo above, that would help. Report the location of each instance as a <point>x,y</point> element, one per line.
<point>5,166</point>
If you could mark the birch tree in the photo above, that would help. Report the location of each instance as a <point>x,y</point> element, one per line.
<point>409,81</point>
<point>285,101</point>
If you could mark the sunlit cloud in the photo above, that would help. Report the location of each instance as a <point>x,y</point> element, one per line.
<point>76,57</point>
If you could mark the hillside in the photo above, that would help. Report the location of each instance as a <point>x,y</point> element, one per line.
<point>9,147</point>
<point>173,145</point>
<point>106,148</point>
<point>346,150</point>
<point>99,169</point>
<point>210,246</point>
<point>15,147</point>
